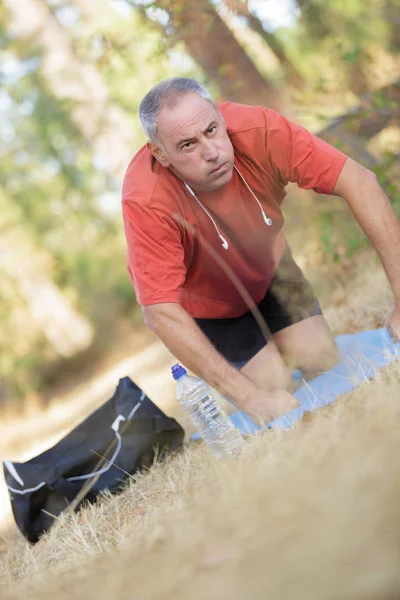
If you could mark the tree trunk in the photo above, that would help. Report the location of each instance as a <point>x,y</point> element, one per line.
<point>241,8</point>
<point>214,47</point>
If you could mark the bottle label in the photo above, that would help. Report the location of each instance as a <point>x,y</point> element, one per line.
<point>209,408</point>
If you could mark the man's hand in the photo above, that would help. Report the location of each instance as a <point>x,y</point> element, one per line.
<point>267,406</point>
<point>393,323</point>
<point>183,337</point>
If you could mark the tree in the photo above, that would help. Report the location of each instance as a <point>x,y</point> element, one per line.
<point>102,123</point>
<point>352,32</point>
<point>391,13</point>
<point>241,9</point>
<point>377,111</point>
<point>213,46</point>
<point>22,258</point>
<point>30,268</point>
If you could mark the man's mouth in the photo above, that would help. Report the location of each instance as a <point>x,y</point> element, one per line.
<point>217,168</point>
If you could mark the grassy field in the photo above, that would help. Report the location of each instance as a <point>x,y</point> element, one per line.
<point>311,512</point>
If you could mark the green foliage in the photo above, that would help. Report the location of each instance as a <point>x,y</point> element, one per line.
<point>384,172</point>
<point>69,203</point>
<point>334,46</point>
<point>48,169</point>
<point>340,234</point>
<point>340,238</point>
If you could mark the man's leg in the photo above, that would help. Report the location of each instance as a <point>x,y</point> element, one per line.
<point>302,337</point>
<point>309,346</point>
<point>240,341</point>
<point>298,327</point>
<point>268,370</point>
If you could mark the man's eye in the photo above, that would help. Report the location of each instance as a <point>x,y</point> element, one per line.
<point>212,129</point>
<point>187,145</point>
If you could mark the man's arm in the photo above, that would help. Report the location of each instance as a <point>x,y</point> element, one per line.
<point>185,340</point>
<point>368,203</point>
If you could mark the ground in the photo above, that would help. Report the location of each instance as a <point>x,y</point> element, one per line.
<point>311,512</point>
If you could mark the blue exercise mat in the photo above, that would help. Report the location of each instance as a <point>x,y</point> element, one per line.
<point>361,356</point>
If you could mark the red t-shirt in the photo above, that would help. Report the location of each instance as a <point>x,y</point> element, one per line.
<point>167,261</point>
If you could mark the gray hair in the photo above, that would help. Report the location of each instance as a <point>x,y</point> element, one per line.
<point>167,93</point>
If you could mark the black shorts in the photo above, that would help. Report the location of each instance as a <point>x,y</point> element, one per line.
<point>288,300</point>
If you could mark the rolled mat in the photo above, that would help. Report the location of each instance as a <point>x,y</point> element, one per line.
<point>361,357</point>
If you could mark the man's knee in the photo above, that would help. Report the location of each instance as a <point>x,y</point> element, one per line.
<point>318,357</point>
<point>268,370</point>
<point>309,346</point>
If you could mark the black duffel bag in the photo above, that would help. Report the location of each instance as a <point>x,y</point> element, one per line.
<point>116,441</point>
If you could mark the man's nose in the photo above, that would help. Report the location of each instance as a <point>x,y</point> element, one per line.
<point>210,151</point>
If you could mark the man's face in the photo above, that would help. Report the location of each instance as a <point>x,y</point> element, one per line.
<point>195,143</point>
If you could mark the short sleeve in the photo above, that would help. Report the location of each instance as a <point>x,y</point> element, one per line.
<point>155,254</point>
<point>298,156</point>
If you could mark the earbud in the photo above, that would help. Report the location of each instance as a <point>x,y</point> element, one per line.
<point>267,220</point>
<point>225,244</point>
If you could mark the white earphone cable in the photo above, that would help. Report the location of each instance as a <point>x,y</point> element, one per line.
<point>225,244</point>
<point>267,220</point>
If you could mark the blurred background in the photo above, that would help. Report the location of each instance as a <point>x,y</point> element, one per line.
<point>73,73</point>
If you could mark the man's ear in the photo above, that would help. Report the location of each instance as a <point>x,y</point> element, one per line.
<point>158,154</point>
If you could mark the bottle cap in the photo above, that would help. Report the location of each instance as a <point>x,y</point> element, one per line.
<point>178,371</point>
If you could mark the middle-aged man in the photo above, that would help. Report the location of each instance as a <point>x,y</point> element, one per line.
<point>208,187</point>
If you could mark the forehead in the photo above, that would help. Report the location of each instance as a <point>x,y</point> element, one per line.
<point>190,115</point>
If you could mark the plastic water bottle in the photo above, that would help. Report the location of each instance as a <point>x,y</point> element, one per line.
<point>214,425</point>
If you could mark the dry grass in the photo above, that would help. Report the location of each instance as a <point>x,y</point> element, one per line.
<point>308,513</point>
<point>311,512</point>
